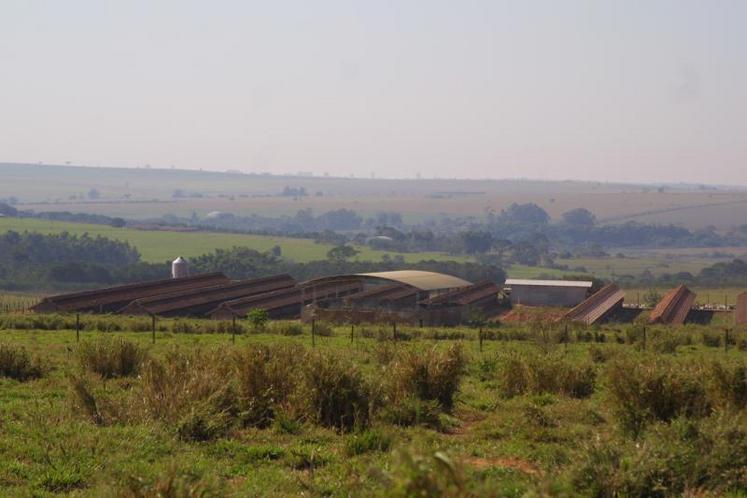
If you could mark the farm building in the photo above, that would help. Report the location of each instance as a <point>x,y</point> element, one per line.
<point>197,302</point>
<point>416,297</point>
<point>740,314</point>
<point>598,306</point>
<point>112,299</point>
<point>674,307</point>
<point>558,293</point>
<point>284,303</point>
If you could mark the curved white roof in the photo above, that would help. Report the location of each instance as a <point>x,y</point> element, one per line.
<point>423,280</point>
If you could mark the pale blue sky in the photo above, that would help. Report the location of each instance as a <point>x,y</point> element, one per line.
<point>607,90</point>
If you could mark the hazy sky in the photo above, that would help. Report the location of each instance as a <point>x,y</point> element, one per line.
<point>610,90</point>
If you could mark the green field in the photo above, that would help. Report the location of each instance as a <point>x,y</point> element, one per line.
<point>533,411</point>
<point>159,246</point>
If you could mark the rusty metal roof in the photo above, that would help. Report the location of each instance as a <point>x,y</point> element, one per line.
<point>114,298</point>
<point>598,305</point>
<point>740,314</point>
<point>674,306</point>
<point>383,292</point>
<point>199,301</point>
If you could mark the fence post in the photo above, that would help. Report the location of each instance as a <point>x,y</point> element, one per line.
<point>352,332</point>
<point>233,329</point>
<point>313,332</point>
<point>153,328</point>
<point>644,338</point>
<point>726,340</point>
<point>479,335</point>
<point>394,330</point>
<point>77,327</point>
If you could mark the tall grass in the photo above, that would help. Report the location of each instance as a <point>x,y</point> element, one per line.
<point>16,363</point>
<point>110,358</point>
<point>532,373</point>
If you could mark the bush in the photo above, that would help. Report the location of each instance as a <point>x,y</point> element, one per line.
<point>323,329</point>
<point>411,411</point>
<point>432,475</point>
<point>428,375</point>
<point>266,378</point>
<point>287,328</point>
<point>16,363</point>
<point>550,373</point>
<point>701,457</point>
<point>333,392</point>
<point>367,441</point>
<point>110,358</point>
<point>654,389</point>
<point>727,385</point>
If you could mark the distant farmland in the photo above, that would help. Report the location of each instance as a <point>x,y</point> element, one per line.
<point>159,246</point>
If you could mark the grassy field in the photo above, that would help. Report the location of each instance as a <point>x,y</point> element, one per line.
<point>534,413</point>
<point>142,193</point>
<point>159,246</point>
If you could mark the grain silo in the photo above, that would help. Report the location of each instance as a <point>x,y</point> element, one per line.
<point>179,268</point>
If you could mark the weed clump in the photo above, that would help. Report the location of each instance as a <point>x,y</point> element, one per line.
<point>333,392</point>
<point>111,358</point>
<point>519,374</point>
<point>430,375</point>
<point>368,441</point>
<point>16,363</point>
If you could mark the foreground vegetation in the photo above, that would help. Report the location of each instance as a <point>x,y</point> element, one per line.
<point>531,409</point>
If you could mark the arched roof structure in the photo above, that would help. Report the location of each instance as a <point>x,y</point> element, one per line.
<point>421,280</point>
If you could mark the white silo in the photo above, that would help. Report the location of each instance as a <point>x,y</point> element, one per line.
<point>179,268</point>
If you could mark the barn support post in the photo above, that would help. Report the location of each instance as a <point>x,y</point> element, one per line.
<point>153,328</point>
<point>77,327</point>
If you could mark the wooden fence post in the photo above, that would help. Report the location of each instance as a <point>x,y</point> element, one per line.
<point>313,332</point>
<point>726,340</point>
<point>479,335</point>
<point>644,338</point>
<point>352,332</point>
<point>233,329</point>
<point>394,330</point>
<point>77,327</point>
<point>153,328</point>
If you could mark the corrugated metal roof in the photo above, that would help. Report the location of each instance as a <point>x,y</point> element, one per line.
<point>674,306</point>
<point>598,305</point>
<point>548,283</point>
<point>740,314</point>
<point>198,301</point>
<point>423,280</point>
<point>113,298</point>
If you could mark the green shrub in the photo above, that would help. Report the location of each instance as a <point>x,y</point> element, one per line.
<point>701,457</point>
<point>287,328</point>
<point>110,358</point>
<point>266,376</point>
<point>333,392</point>
<point>435,475</point>
<point>410,411</point>
<point>654,389</point>
<point>367,441</point>
<point>323,329</point>
<point>428,375</point>
<point>727,384</point>
<point>16,363</point>
<point>549,373</point>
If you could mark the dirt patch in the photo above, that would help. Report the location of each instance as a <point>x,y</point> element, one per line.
<point>524,466</point>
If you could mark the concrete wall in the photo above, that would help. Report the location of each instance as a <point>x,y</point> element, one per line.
<point>539,295</point>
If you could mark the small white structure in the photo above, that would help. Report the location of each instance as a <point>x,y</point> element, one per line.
<point>560,293</point>
<point>179,268</point>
